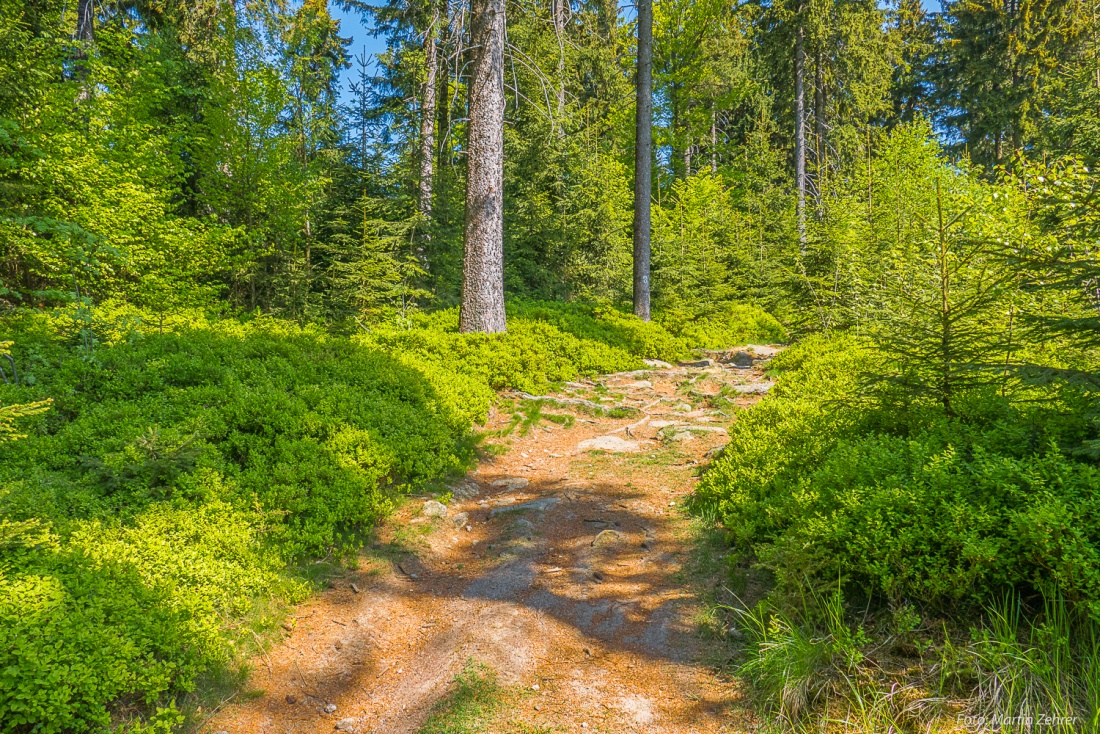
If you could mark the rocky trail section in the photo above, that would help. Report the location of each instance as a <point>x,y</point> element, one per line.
<point>559,564</point>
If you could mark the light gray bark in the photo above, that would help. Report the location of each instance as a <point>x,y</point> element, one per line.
<point>483,266</point>
<point>427,116</point>
<point>800,133</point>
<point>85,21</point>
<point>713,141</point>
<point>820,158</point>
<point>643,154</point>
<point>557,10</point>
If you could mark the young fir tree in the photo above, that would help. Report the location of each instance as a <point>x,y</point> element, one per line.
<point>943,307</point>
<point>374,272</point>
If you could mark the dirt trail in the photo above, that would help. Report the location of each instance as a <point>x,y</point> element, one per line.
<point>567,573</point>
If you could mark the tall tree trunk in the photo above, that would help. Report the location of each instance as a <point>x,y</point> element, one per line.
<point>85,21</point>
<point>427,116</point>
<point>443,93</point>
<point>713,140</point>
<point>85,37</point>
<point>643,156</point>
<point>677,156</point>
<point>800,133</point>
<point>819,129</point>
<point>557,10</point>
<point>483,266</point>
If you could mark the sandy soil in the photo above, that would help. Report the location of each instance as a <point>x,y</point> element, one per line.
<point>566,576</point>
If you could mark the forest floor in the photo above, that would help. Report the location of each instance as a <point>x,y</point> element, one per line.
<point>564,566</point>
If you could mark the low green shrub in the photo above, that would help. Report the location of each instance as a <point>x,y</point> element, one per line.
<point>187,463</point>
<point>823,480</point>
<point>732,325</point>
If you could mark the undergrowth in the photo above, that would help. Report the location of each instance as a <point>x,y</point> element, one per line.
<point>1010,672</point>
<point>966,544</point>
<point>191,471</point>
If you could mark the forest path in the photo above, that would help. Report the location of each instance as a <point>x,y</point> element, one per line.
<point>566,570</point>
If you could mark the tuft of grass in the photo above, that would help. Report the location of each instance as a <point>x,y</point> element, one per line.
<point>1040,669</point>
<point>795,666</point>
<point>475,699</point>
<point>1017,675</point>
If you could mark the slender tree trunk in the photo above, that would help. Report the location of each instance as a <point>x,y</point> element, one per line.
<point>453,45</point>
<point>85,37</point>
<point>800,133</point>
<point>427,116</point>
<point>643,155</point>
<point>483,266</point>
<point>713,141</point>
<point>819,129</point>
<point>557,10</point>
<point>85,21</point>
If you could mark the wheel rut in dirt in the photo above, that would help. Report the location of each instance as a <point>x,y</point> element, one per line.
<point>560,565</point>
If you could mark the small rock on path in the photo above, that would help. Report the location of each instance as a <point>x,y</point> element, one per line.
<point>614,444</point>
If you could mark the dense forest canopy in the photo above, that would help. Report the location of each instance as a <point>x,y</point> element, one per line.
<point>198,153</point>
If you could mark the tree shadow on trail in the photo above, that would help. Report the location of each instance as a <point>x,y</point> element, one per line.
<point>548,588</point>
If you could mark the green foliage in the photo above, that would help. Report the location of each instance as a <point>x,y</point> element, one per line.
<point>472,703</point>
<point>9,414</point>
<point>825,483</point>
<point>1012,675</point>
<point>114,612</point>
<point>791,666</point>
<point>1019,669</point>
<point>550,342</point>
<point>188,462</point>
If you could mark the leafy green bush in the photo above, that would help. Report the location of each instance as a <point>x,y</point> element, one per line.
<point>731,325</point>
<point>122,612</point>
<point>907,503</point>
<point>186,461</point>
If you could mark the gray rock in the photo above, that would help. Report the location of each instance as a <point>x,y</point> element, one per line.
<point>715,452</point>
<point>330,708</point>
<point>606,538</point>
<point>460,519</point>
<point>523,526</point>
<point>656,364</point>
<point>682,408</point>
<point>764,351</point>
<point>742,359</point>
<point>434,509</point>
<point>466,490</point>
<point>539,505</point>
<point>683,436</point>
<point>511,483</point>
<point>614,444</point>
<point>756,388</point>
<point>345,724</point>
<point>708,362</point>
